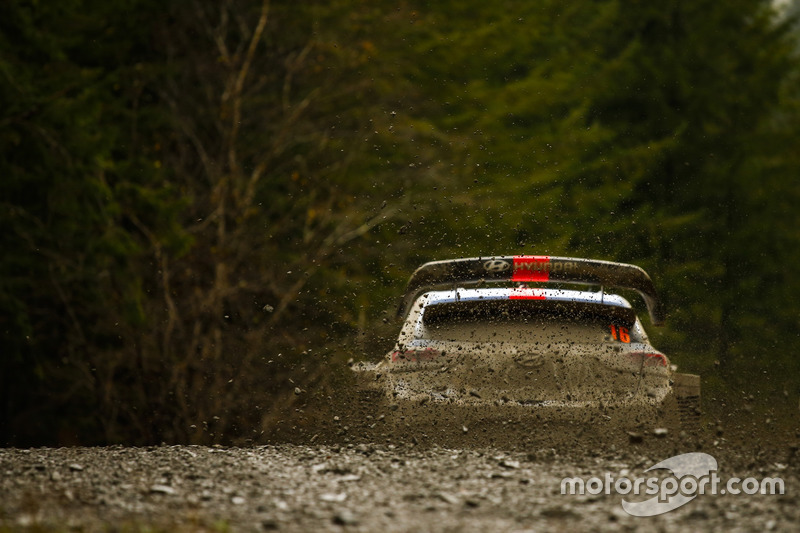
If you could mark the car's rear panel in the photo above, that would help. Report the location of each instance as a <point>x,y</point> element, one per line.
<point>551,348</point>
<point>479,343</point>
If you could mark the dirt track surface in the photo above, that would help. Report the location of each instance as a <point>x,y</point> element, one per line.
<point>364,487</point>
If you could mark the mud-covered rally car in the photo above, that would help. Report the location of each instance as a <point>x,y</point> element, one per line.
<point>493,337</point>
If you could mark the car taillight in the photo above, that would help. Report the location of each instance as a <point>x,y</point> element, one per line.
<point>649,359</point>
<point>415,356</point>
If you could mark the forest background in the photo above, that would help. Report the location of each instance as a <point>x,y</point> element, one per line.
<point>207,205</point>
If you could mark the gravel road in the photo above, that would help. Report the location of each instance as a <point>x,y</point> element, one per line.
<point>367,487</point>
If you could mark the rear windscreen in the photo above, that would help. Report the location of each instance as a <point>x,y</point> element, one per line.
<point>529,321</point>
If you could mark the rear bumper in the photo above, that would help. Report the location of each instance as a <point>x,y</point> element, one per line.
<point>422,415</point>
<point>513,423</point>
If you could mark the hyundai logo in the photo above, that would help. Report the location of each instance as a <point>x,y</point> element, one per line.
<point>496,265</point>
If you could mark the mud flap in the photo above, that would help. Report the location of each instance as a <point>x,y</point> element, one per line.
<point>686,388</point>
<point>368,409</point>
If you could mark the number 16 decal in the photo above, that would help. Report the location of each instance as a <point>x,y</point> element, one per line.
<point>620,334</point>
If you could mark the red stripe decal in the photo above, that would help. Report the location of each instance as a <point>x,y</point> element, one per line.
<point>531,268</point>
<point>527,294</point>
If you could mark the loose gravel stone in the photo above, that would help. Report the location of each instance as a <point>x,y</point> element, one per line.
<point>162,489</point>
<point>370,487</point>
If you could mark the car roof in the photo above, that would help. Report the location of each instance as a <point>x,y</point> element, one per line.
<point>523,293</point>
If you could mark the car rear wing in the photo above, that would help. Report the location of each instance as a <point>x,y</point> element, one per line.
<point>439,275</point>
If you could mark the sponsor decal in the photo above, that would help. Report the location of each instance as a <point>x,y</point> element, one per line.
<point>527,294</point>
<point>539,267</point>
<point>531,268</point>
<point>496,265</point>
<point>529,360</point>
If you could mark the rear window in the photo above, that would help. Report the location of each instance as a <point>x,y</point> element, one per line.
<point>529,321</point>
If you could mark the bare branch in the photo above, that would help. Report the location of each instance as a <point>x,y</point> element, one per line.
<point>239,85</point>
<point>189,131</point>
<point>64,300</point>
<point>329,245</point>
<point>216,34</point>
<point>334,241</point>
<point>292,67</point>
<point>163,262</point>
<point>277,146</point>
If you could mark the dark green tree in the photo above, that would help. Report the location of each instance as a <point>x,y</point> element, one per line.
<point>67,278</point>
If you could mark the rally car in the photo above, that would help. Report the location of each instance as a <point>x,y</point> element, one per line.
<point>512,337</point>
